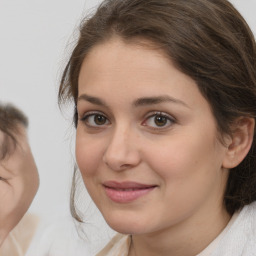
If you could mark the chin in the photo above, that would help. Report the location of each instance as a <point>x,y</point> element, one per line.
<point>126,225</point>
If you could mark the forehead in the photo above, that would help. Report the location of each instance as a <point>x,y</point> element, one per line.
<point>115,51</point>
<point>131,67</point>
<point>124,58</point>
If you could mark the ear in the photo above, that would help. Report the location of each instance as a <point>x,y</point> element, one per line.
<point>240,142</point>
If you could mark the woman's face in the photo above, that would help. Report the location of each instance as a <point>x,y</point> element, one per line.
<point>146,141</point>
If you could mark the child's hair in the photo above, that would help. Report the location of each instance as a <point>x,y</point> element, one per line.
<point>207,40</point>
<point>10,119</point>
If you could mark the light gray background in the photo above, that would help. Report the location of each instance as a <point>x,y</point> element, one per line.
<point>35,40</point>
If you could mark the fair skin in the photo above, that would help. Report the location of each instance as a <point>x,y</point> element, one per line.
<point>19,182</point>
<point>149,151</point>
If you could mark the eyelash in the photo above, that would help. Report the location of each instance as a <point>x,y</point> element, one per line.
<point>93,114</point>
<point>169,120</point>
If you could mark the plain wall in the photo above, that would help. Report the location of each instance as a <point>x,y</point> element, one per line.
<point>35,38</point>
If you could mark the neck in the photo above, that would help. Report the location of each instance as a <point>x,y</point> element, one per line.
<point>185,239</point>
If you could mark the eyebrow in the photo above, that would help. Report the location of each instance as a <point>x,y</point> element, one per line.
<point>157,100</point>
<point>92,99</point>
<point>144,101</point>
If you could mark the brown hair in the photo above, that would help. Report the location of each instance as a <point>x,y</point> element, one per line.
<point>206,39</point>
<point>10,118</point>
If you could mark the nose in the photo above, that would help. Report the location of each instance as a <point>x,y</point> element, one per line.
<point>122,150</point>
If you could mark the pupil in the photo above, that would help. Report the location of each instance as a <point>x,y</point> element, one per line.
<point>99,120</point>
<point>160,120</point>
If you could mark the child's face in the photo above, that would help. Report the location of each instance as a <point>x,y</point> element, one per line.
<point>146,141</point>
<point>19,182</point>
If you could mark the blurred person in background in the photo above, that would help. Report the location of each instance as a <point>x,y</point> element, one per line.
<point>19,183</point>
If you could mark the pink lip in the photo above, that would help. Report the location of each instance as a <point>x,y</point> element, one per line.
<point>125,192</point>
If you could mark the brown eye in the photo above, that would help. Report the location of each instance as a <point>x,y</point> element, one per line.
<point>160,120</point>
<point>95,120</point>
<point>100,120</point>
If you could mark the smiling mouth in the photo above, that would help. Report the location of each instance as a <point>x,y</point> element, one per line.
<point>126,192</point>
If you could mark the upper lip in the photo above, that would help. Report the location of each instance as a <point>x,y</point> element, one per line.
<point>127,185</point>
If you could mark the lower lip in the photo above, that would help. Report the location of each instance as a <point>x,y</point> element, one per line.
<point>126,196</point>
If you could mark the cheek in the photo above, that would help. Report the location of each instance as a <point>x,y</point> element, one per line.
<point>190,172</point>
<point>183,157</point>
<point>169,156</point>
<point>88,155</point>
